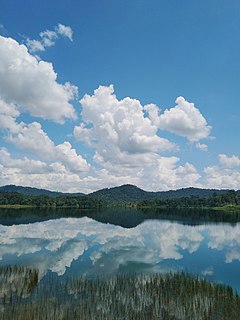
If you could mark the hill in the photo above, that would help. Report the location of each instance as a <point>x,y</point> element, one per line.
<point>188,192</point>
<point>131,193</point>
<point>29,191</point>
<point>122,194</point>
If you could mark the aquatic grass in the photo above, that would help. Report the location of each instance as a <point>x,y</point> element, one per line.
<point>16,282</point>
<point>130,296</point>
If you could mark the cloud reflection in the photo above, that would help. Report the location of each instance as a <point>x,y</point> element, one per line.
<point>55,244</point>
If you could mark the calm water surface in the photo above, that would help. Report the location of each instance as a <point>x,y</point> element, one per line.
<point>129,241</point>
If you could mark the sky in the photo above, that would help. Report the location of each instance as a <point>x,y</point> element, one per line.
<point>100,93</point>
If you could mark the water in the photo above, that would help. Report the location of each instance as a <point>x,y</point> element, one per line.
<point>120,241</point>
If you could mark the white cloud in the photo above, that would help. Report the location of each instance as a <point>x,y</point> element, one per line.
<point>64,31</point>
<point>118,127</point>
<point>31,138</point>
<point>229,162</point>
<point>226,175</point>
<point>23,166</point>
<point>123,134</point>
<point>59,165</point>
<point>31,85</point>
<point>8,115</point>
<point>49,37</point>
<point>35,173</point>
<point>27,85</point>
<point>62,172</point>
<point>34,45</point>
<point>128,147</point>
<point>184,119</point>
<point>201,146</point>
<point>68,156</point>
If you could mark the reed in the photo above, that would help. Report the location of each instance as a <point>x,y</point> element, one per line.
<point>132,296</point>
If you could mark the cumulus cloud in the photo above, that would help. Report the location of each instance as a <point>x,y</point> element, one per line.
<point>123,135</point>
<point>118,126</point>
<point>55,178</point>
<point>32,139</point>
<point>127,144</point>
<point>219,178</point>
<point>184,119</point>
<point>62,169</point>
<point>8,115</point>
<point>31,85</point>
<point>229,162</point>
<point>24,166</point>
<point>62,172</point>
<point>49,37</point>
<point>57,165</point>
<point>224,175</point>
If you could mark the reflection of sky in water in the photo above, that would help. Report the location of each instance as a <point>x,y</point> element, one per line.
<point>85,246</point>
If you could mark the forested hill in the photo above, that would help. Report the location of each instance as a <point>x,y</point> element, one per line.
<point>131,193</point>
<point>29,191</point>
<point>125,193</point>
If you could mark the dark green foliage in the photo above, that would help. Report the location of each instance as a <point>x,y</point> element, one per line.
<point>140,297</point>
<point>230,197</point>
<point>126,195</point>
<point>13,198</point>
<point>129,193</point>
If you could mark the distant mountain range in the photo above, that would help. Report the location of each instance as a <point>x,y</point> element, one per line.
<point>131,193</point>
<point>125,193</point>
<point>29,191</point>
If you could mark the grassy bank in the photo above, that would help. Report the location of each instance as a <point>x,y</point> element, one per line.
<point>228,207</point>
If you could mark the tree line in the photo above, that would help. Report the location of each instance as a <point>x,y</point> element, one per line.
<point>229,198</point>
<point>14,198</point>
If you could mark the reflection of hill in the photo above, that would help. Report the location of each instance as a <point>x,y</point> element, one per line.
<point>125,217</point>
<point>16,282</point>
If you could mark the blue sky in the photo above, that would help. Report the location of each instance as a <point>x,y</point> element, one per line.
<point>89,94</point>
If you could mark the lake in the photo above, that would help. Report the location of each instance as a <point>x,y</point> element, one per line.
<point>115,241</point>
